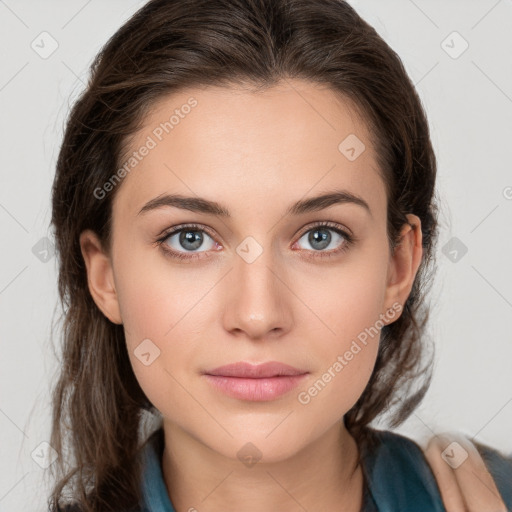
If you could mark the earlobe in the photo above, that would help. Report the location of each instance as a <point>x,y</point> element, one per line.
<point>404,263</point>
<point>100,276</point>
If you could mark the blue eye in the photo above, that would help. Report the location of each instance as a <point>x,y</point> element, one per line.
<point>319,238</point>
<point>192,237</point>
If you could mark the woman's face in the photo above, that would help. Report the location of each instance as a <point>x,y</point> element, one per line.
<point>263,281</point>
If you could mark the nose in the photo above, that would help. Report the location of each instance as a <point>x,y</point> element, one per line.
<point>258,298</point>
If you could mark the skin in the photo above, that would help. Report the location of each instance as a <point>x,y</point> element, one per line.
<point>256,154</point>
<point>468,487</point>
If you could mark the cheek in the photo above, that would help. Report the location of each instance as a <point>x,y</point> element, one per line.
<point>346,366</point>
<point>351,309</point>
<point>160,341</point>
<point>155,297</point>
<point>347,300</point>
<point>165,315</point>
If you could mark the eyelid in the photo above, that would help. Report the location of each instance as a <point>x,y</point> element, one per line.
<point>201,227</point>
<point>187,225</point>
<point>329,224</point>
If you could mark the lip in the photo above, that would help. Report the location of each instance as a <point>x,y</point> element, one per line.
<point>242,369</point>
<point>257,383</point>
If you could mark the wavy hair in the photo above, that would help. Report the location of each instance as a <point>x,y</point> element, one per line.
<point>170,45</point>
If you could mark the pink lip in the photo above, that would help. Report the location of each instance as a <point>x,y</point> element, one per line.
<point>248,370</point>
<point>255,382</point>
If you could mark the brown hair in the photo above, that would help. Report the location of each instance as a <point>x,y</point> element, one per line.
<point>168,45</point>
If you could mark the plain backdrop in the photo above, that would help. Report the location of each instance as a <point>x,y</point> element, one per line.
<point>458,53</point>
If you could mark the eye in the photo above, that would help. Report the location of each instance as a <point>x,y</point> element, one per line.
<point>190,238</point>
<point>319,237</point>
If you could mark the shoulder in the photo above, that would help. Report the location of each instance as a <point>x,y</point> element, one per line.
<point>399,475</point>
<point>499,466</point>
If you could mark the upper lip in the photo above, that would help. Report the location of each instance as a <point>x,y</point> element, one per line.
<point>258,371</point>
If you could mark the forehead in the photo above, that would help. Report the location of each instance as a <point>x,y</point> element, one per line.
<point>233,145</point>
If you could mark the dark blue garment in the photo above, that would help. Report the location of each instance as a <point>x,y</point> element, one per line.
<point>397,476</point>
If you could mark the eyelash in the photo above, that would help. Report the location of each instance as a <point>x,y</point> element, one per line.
<point>349,240</point>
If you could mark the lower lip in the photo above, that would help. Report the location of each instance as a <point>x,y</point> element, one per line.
<point>257,390</point>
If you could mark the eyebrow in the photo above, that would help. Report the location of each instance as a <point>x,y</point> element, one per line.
<point>201,205</point>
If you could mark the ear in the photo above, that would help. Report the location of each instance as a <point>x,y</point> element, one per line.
<point>404,263</point>
<point>100,276</point>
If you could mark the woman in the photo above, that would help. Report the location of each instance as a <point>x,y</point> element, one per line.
<point>285,142</point>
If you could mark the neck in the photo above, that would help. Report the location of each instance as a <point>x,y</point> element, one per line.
<point>324,475</point>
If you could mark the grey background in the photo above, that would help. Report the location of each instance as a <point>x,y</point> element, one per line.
<point>469,103</point>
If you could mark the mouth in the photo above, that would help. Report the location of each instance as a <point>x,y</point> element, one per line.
<point>242,369</point>
<point>258,383</point>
